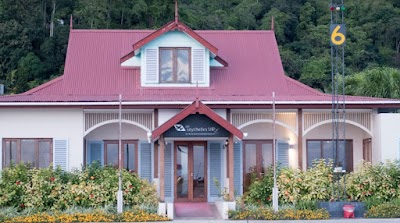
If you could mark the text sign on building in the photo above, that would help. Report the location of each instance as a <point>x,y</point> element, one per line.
<point>338,34</point>
<point>196,126</point>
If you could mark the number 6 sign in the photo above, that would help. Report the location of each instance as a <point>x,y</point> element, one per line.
<point>338,34</point>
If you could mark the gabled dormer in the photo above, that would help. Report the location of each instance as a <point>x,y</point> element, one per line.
<point>174,56</point>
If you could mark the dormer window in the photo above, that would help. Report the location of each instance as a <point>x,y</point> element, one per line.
<point>173,56</point>
<point>175,65</point>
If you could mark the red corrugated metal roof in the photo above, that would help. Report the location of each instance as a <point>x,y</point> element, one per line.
<point>93,72</point>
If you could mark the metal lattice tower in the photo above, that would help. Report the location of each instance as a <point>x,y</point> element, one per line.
<point>338,38</point>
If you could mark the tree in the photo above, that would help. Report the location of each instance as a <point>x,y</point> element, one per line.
<point>28,71</point>
<point>316,73</point>
<point>382,82</point>
<point>285,25</point>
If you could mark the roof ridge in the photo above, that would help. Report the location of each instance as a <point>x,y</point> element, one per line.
<point>45,85</point>
<point>152,30</point>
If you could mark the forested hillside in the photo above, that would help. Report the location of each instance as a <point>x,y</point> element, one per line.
<point>34,33</point>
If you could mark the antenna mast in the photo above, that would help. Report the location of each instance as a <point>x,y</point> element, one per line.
<point>338,40</point>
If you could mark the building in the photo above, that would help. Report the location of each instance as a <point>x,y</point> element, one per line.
<point>196,106</point>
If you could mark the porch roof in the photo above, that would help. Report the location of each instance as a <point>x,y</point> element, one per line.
<point>200,108</point>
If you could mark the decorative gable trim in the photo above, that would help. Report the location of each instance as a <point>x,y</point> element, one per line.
<point>197,107</point>
<point>174,25</point>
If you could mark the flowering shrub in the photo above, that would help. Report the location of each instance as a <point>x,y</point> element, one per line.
<point>96,216</point>
<point>381,181</point>
<point>12,183</point>
<point>260,190</point>
<point>290,185</point>
<point>314,184</point>
<point>49,189</point>
<point>386,210</point>
<point>286,214</point>
<point>317,181</point>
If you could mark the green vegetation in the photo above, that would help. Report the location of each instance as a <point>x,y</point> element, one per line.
<point>34,33</point>
<point>265,213</point>
<point>386,210</point>
<point>378,186</point>
<point>92,187</point>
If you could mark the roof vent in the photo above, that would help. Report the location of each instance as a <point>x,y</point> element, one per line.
<point>1,89</point>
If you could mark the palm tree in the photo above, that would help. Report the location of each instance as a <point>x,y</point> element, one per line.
<point>382,82</point>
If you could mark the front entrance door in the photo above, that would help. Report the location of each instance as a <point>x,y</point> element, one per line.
<point>191,171</point>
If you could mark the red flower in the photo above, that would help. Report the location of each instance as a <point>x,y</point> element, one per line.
<point>18,182</point>
<point>130,186</point>
<point>91,195</point>
<point>22,205</point>
<point>52,179</point>
<point>268,198</point>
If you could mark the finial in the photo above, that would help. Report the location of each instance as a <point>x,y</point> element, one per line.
<point>272,23</point>
<point>70,22</point>
<point>176,11</point>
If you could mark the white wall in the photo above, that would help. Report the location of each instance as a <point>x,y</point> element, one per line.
<point>325,132</point>
<point>166,114</point>
<point>111,132</point>
<point>388,139</point>
<point>264,131</point>
<point>63,123</point>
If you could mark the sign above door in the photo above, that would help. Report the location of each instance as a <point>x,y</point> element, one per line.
<point>196,125</point>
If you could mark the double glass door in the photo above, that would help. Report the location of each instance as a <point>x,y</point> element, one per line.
<point>190,171</point>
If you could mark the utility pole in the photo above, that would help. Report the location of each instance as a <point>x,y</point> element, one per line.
<point>120,201</point>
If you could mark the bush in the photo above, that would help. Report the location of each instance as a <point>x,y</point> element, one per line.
<point>12,183</point>
<point>372,201</point>
<point>49,189</point>
<point>260,190</point>
<point>386,210</point>
<point>93,216</point>
<point>306,205</point>
<point>314,184</point>
<point>285,214</point>
<point>318,182</point>
<point>380,181</point>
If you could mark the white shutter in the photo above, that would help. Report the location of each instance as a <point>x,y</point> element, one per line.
<point>60,153</point>
<point>198,70</point>
<point>151,75</point>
